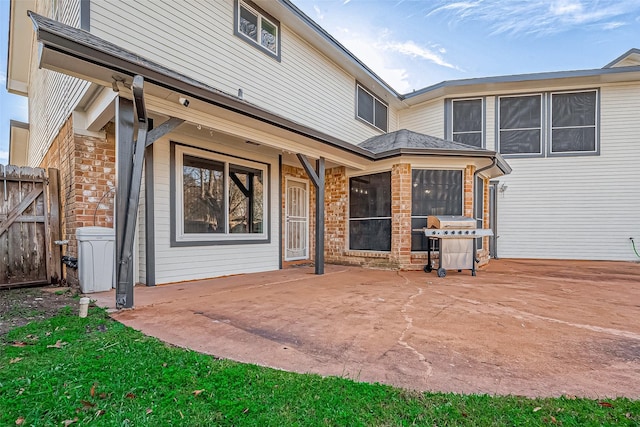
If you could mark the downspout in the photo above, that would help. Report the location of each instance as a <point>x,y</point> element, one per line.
<point>475,175</point>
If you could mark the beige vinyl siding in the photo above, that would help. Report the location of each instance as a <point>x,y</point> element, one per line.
<point>578,207</point>
<point>490,123</point>
<point>305,86</point>
<point>199,262</point>
<point>52,95</point>
<point>427,118</point>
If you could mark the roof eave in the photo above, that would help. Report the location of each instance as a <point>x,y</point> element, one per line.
<point>98,66</point>
<point>19,42</point>
<point>497,83</point>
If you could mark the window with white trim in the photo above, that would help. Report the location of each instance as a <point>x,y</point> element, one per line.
<point>371,109</point>
<point>573,122</point>
<point>520,125</point>
<point>256,27</point>
<point>467,121</point>
<point>218,198</point>
<point>370,212</point>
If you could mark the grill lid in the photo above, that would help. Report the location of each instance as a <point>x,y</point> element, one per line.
<point>450,221</point>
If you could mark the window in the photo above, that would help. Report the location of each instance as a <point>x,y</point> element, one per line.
<point>479,208</point>
<point>218,198</point>
<point>467,121</point>
<point>520,122</point>
<point>370,212</point>
<point>435,192</point>
<point>573,122</point>
<point>257,28</point>
<point>371,109</point>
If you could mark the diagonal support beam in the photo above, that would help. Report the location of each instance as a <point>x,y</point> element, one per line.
<point>126,225</point>
<point>162,130</point>
<point>317,178</point>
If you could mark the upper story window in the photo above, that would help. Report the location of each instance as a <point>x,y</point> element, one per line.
<point>520,124</point>
<point>371,109</point>
<point>573,122</point>
<point>258,28</point>
<point>558,123</point>
<point>467,121</point>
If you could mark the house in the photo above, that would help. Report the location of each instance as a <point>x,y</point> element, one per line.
<point>255,125</point>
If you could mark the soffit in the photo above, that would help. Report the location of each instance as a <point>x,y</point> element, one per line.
<point>19,49</point>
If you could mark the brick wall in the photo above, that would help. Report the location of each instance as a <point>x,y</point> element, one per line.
<point>87,175</point>
<point>400,256</point>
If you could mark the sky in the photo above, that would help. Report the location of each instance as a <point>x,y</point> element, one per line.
<point>412,44</point>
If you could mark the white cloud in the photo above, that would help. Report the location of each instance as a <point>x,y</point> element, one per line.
<point>319,13</point>
<point>411,49</point>
<point>613,25</point>
<point>388,57</point>
<point>4,157</point>
<point>538,17</point>
<point>3,78</point>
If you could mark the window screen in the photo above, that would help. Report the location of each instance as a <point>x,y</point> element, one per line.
<point>370,212</point>
<point>371,109</point>
<point>520,124</point>
<point>467,121</point>
<point>573,122</point>
<point>435,192</point>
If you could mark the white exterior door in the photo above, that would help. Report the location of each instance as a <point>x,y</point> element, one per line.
<point>296,220</point>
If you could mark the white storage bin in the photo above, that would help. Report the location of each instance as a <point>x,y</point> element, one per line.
<point>96,253</point>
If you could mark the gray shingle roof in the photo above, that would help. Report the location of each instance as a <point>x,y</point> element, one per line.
<point>405,139</point>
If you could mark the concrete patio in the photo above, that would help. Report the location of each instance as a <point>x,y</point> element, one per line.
<point>524,327</point>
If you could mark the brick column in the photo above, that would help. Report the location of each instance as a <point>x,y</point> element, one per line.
<point>400,215</point>
<point>468,191</point>
<point>336,214</point>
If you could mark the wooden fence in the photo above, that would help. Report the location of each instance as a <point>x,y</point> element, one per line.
<point>29,223</point>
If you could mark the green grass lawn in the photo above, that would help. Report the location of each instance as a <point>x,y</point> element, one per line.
<point>94,371</point>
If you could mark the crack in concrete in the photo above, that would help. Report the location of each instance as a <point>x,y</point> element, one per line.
<point>409,324</point>
<point>523,315</point>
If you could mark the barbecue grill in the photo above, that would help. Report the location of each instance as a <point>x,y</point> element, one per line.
<point>456,236</point>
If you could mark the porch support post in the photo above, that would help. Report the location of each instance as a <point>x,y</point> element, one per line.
<point>131,157</point>
<point>317,178</point>
<point>124,153</point>
<point>131,193</point>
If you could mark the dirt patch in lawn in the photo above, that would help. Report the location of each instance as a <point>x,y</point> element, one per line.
<point>23,305</point>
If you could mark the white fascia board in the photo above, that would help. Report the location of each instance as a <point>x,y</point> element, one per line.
<point>20,43</point>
